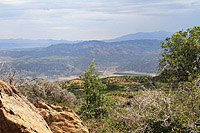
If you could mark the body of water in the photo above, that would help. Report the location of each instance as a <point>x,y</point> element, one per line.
<point>130,74</point>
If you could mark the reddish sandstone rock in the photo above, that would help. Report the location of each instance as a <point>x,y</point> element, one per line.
<point>61,119</point>
<point>17,114</point>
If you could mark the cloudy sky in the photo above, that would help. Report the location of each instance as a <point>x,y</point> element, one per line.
<point>94,19</point>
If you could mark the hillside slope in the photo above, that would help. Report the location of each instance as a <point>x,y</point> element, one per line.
<point>73,59</point>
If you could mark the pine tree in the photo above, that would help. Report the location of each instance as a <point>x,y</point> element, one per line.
<point>93,100</point>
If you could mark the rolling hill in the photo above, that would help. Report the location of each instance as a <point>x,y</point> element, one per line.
<point>63,60</point>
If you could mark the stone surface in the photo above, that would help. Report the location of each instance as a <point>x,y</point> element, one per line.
<point>61,119</point>
<point>17,114</point>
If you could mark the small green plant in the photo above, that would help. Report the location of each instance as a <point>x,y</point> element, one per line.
<point>92,106</point>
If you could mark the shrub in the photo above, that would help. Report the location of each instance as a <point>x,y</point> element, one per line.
<point>181,55</point>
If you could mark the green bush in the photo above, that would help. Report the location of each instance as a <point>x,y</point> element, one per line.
<point>181,55</point>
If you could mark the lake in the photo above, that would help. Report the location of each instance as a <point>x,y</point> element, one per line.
<point>130,74</point>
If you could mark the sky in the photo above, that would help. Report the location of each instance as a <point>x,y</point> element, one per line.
<point>94,19</point>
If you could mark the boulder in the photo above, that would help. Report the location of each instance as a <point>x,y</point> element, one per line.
<point>17,114</point>
<point>61,119</point>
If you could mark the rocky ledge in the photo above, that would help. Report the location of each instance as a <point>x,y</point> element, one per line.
<point>61,119</point>
<point>18,115</point>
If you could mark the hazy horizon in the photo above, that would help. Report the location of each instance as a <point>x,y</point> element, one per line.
<point>83,39</point>
<point>93,19</point>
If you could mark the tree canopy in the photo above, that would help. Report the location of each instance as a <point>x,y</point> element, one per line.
<point>181,54</point>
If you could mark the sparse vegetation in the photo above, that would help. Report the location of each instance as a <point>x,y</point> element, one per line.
<point>38,89</point>
<point>147,104</point>
<point>150,110</point>
<point>49,92</point>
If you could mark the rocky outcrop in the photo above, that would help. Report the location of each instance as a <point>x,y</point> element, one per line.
<point>17,114</point>
<point>61,119</point>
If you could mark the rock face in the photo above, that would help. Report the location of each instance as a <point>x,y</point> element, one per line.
<point>61,119</point>
<point>17,114</point>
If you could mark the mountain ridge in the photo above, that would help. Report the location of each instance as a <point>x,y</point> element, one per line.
<point>9,44</point>
<point>158,35</point>
<point>72,59</point>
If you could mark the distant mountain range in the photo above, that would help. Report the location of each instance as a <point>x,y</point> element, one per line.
<point>63,60</point>
<point>159,35</point>
<point>7,44</point>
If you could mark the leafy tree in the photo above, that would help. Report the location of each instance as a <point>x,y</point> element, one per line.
<point>93,86</point>
<point>181,55</point>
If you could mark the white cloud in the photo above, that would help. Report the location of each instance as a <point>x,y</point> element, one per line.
<point>79,19</point>
<point>63,28</point>
<point>14,1</point>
